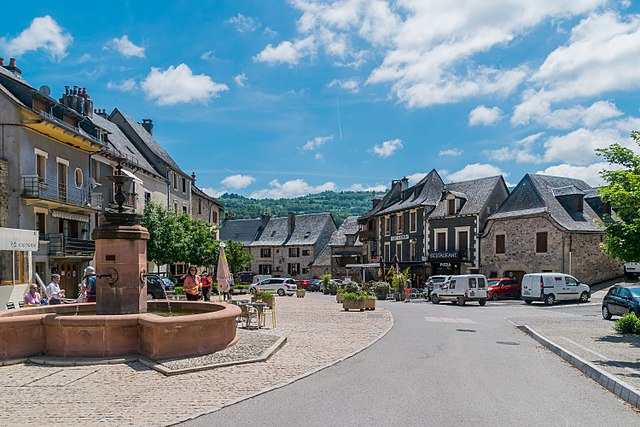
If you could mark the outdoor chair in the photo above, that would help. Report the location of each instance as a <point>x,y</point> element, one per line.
<point>391,294</point>
<point>414,293</point>
<point>247,314</point>
<point>21,304</point>
<point>265,312</point>
<point>11,305</point>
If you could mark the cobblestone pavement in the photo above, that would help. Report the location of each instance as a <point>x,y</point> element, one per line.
<point>318,333</point>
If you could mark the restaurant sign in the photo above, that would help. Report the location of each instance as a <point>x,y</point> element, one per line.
<point>14,239</point>
<point>443,256</point>
<point>400,237</point>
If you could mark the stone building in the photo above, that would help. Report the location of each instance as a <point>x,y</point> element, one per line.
<point>205,208</point>
<point>345,248</point>
<point>548,224</point>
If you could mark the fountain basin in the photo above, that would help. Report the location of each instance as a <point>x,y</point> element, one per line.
<point>205,328</point>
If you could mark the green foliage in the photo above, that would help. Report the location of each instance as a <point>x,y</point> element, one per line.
<point>340,205</point>
<point>237,256</point>
<point>381,289</point>
<point>264,295</point>
<point>351,287</point>
<point>167,241</point>
<point>352,296</point>
<point>622,191</point>
<point>628,324</point>
<point>179,290</point>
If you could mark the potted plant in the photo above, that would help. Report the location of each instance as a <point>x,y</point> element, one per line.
<point>369,302</point>
<point>266,297</point>
<point>340,295</point>
<point>381,290</point>
<point>300,292</point>
<point>326,283</point>
<point>353,301</point>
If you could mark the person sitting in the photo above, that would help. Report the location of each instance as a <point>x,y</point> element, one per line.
<point>54,293</point>
<point>33,296</point>
<point>89,280</point>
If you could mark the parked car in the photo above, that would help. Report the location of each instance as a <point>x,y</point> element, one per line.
<point>276,285</point>
<point>621,300</point>
<point>462,288</point>
<point>552,287</point>
<point>245,277</point>
<point>315,285</point>
<point>159,287</point>
<point>501,288</point>
<point>436,282</point>
<point>631,270</point>
<point>302,284</point>
<point>260,277</point>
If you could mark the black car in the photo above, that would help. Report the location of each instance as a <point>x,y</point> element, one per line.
<point>315,285</point>
<point>159,287</point>
<point>621,300</point>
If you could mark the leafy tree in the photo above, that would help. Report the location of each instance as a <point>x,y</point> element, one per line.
<point>167,235</point>
<point>237,256</point>
<point>622,192</point>
<point>201,248</point>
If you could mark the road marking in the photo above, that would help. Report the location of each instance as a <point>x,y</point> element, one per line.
<point>448,320</point>
<point>573,305</point>
<point>603,357</point>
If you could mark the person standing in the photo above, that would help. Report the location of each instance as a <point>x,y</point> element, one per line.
<point>33,296</point>
<point>54,293</point>
<point>205,282</point>
<point>191,284</point>
<point>90,284</point>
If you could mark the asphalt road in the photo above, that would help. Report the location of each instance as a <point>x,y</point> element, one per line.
<point>442,365</point>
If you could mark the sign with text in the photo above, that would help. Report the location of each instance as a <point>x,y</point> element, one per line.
<point>399,237</point>
<point>443,256</point>
<point>15,239</point>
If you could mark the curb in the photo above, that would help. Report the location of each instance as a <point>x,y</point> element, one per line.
<point>289,381</point>
<point>616,386</point>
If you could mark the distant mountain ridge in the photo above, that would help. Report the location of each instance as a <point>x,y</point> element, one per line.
<point>340,204</point>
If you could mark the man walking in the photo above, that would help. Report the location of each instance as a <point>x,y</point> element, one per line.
<point>205,282</point>
<point>54,293</point>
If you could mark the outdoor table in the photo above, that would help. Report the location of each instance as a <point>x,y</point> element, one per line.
<point>260,306</point>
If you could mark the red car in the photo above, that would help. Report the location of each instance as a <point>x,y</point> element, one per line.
<point>302,284</point>
<point>501,288</point>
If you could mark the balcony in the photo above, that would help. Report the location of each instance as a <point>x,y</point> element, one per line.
<point>59,194</point>
<point>366,235</point>
<point>59,245</point>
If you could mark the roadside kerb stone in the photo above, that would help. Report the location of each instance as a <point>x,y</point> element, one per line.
<point>618,387</point>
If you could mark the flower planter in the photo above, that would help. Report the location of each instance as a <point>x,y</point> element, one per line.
<point>370,304</point>
<point>271,301</point>
<point>353,305</point>
<point>339,297</point>
<point>300,293</point>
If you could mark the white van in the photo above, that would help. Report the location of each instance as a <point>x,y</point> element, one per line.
<point>631,270</point>
<point>260,277</point>
<point>552,287</point>
<point>462,288</point>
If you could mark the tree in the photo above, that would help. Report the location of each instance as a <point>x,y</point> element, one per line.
<point>166,244</point>
<point>622,192</point>
<point>237,256</point>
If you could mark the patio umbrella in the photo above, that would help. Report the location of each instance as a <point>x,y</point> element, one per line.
<point>223,275</point>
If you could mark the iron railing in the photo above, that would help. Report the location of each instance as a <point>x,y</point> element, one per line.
<point>61,245</point>
<point>38,188</point>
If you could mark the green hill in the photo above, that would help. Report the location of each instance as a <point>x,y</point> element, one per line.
<point>341,205</point>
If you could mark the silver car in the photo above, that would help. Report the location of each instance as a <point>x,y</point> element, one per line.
<point>276,285</point>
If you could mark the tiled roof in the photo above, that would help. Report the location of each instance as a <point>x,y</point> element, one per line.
<point>153,145</point>
<point>240,230</point>
<point>324,258</point>
<point>16,77</point>
<point>427,192</point>
<point>534,194</point>
<point>475,192</point>
<point>308,229</point>
<point>123,147</point>
<point>349,227</point>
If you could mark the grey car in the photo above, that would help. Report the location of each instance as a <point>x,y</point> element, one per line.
<point>276,285</point>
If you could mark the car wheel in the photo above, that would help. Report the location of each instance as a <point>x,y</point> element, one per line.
<point>495,297</point>
<point>461,301</point>
<point>149,297</point>
<point>435,299</point>
<point>584,297</point>
<point>549,299</point>
<point>606,314</point>
<point>482,302</point>
<point>517,296</point>
<point>528,301</point>
<point>281,292</point>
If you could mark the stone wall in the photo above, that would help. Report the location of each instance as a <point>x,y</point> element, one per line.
<point>4,193</point>
<point>588,263</point>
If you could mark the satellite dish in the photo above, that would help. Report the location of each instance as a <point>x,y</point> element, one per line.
<point>45,90</point>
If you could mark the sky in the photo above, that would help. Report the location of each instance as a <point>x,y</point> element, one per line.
<point>269,98</point>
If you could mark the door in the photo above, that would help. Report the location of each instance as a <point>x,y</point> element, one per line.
<point>62,182</point>
<point>69,278</point>
<point>623,299</point>
<point>570,289</point>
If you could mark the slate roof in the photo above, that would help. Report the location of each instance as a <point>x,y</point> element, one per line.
<point>324,258</point>
<point>204,195</point>
<point>348,227</point>
<point>475,192</point>
<point>240,230</point>
<point>308,230</point>
<point>153,145</point>
<point>426,192</point>
<point>17,77</point>
<point>534,194</point>
<point>122,145</point>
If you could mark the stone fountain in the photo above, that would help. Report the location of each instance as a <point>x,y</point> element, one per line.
<point>119,322</point>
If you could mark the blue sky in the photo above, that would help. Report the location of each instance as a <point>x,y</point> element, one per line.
<point>285,98</point>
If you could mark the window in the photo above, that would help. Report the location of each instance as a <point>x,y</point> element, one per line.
<point>481,284</point>
<point>305,252</point>
<point>472,283</point>
<point>541,242</point>
<point>63,168</point>
<point>214,217</point>
<point>305,271</point>
<point>264,269</point>
<point>199,206</point>
<point>41,164</point>
<point>294,252</point>
<point>451,206</point>
<point>441,241</point>
<point>452,284</point>
<point>175,207</point>
<point>463,244</point>
<point>413,221</point>
<point>265,252</point>
<point>500,244</point>
<point>400,223</point>
<point>387,252</point>
<point>412,250</point>
<point>399,250</point>
<point>79,177</point>
<point>184,184</point>
<point>570,281</point>
<point>175,180</point>
<point>387,227</point>
<point>95,170</point>
<point>41,225</point>
<point>147,197</point>
<point>293,269</point>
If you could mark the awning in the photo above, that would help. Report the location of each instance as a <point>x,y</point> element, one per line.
<point>69,216</point>
<point>132,176</point>
<point>15,239</point>
<point>370,265</point>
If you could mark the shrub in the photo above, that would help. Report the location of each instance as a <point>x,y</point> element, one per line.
<point>351,287</point>
<point>265,295</point>
<point>628,324</point>
<point>179,290</point>
<point>381,289</point>
<point>348,296</point>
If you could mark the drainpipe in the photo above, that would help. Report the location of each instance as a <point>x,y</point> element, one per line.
<point>563,254</point>
<point>570,251</point>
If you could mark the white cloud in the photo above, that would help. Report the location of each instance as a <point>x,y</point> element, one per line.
<point>566,118</point>
<point>269,32</point>
<point>243,23</point>
<point>589,173</point>
<point>578,147</point>
<point>213,192</point>
<point>240,79</point>
<point>286,52</point>
<point>43,33</point>
<point>289,189</point>
<point>350,85</point>
<point>482,115</point>
<point>388,148</point>
<point>178,85</point>
<point>601,56</point>
<point>124,86</point>
<point>238,181</point>
<point>126,48</point>
<point>316,142</point>
<point>360,187</point>
<point>521,151</point>
<point>474,171</point>
<point>208,55</point>
<point>416,177</point>
<point>451,152</point>
<point>318,156</point>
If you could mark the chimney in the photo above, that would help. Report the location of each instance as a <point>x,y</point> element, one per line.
<point>1,62</point>
<point>264,220</point>
<point>291,223</point>
<point>148,125</point>
<point>193,177</point>
<point>13,67</point>
<point>101,112</point>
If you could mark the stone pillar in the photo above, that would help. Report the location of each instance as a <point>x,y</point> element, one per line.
<point>121,251</point>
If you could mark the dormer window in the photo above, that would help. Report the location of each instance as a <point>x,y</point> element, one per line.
<point>451,206</point>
